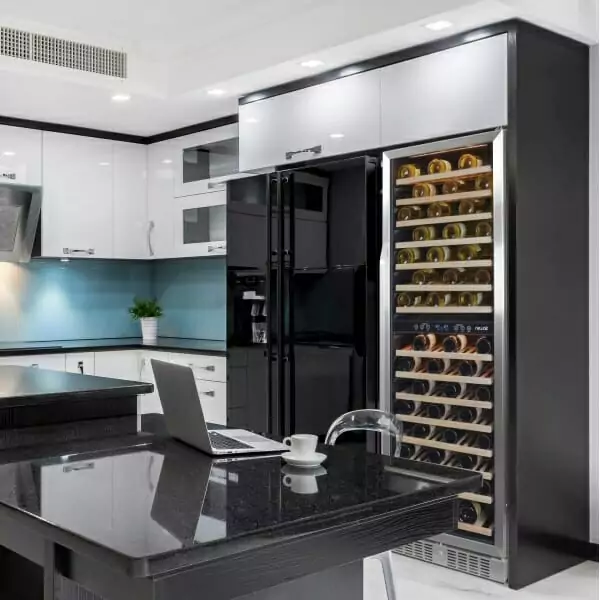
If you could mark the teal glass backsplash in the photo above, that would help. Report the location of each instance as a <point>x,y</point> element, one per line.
<point>48,300</point>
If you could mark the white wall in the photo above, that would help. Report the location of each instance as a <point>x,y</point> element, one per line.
<point>594,297</point>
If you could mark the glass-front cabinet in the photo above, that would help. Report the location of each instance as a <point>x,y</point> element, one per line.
<point>443,316</point>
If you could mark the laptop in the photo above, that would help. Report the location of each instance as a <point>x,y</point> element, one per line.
<point>184,417</point>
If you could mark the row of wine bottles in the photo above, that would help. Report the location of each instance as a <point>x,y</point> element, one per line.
<point>452,276</point>
<point>443,209</point>
<point>468,439</point>
<point>444,366</point>
<point>450,343</point>
<point>452,231</point>
<point>450,389</point>
<point>444,253</point>
<point>442,299</point>
<point>446,412</point>
<point>440,165</point>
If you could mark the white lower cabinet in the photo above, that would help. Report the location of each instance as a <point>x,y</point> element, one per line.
<point>150,403</point>
<point>213,397</point>
<point>80,362</point>
<point>118,364</point>
<point>54,362</point>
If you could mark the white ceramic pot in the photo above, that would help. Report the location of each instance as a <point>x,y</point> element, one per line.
<point>149,329</point>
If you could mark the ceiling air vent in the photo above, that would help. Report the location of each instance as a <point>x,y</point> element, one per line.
<point>62,53</point>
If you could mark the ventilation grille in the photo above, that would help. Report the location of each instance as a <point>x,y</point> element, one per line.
<point>467,562</point>
<point>62,53</point>
<point>421,550</point>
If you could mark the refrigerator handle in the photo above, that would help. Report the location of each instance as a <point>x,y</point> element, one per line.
<point>271,258</point>
<point>289,262</point>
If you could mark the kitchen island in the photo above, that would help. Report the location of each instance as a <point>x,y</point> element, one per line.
<point>138,516</point>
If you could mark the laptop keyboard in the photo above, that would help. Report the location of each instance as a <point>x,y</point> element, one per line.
<point>222,442</point>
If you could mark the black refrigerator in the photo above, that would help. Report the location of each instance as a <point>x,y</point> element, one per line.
<point>303,250</point>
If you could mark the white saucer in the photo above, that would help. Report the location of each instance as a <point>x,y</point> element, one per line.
<point>304,462</point>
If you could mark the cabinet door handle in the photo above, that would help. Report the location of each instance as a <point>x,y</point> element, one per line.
<point>209,393</point>
<point>207,367</point>
<point>35,365</point>
<point>150,230</point>
<point>79,251</point>
<point>80,366</point>
<point>314,150</point>
<point>215,186</point>
<point>220,246</point>
<point>83,467</point>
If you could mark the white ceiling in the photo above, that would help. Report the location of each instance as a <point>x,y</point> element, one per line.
<point>181,48</point>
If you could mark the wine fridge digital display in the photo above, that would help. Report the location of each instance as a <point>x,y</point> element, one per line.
<point>442,319</point>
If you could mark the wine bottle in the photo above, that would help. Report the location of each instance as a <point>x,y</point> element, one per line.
<point>438,254</point>
<point>424,341</point>
<point>439,209</point>
<point>437,299</point>
<point>482,276</point>
<point>471,513</point>
<point>470,368</point>
<point>484,345</point>
<point>454,390</point>
<point>408,213</point>
<point>455,343</point>
<point>453,276</point>
<point>483,393</point>
<point>472,252</point>
<point>424,233</point>
<point>434,456</point>
<point>409,451</point>
<point>439,165</point>
<point>420,430</point>
<point>483,229</point>
<point>423,190</point>
<point>421,387</point>
<point>406,407</point>
<point>483,182</point>
<point>469,161</point>
<point>452,436</point>
<point>408,255</point>
<point>436,411</point>
<point>425,276</point>
<point>438,365</point>
<point>470,299</point>
<point>487,488</point>
<point>468,414</point>
<point>471,206</point>
<point>453,186</point>
<point>481,440</point>
<point>465,461</point>
<point>405,299</point>
<point>454,231</point>
<point>408,363</point>
<point>408,170</point>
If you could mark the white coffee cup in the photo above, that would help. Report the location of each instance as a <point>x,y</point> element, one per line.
<point>302,444</point>
<point>301,484</point>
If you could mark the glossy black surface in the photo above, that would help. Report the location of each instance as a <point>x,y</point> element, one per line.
<point>20,386</point>
<point>146,497</point>
<point>215,347</point>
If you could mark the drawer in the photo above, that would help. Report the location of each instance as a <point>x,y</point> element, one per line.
<point>213,397</point>
<point>209,368</point>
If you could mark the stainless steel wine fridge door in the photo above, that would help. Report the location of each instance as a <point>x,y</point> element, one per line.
<point>475,307</point>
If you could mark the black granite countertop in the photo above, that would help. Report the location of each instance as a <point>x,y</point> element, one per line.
<point>21,386</point>
<point>214,347</point>
<point>149,505</point>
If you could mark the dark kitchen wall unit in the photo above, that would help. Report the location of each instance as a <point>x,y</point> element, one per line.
<point>302,295</point>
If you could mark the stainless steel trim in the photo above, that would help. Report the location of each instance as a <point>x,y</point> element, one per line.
<point>150,230</point>
<point>472,545</point>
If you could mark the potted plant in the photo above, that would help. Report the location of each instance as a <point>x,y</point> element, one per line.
<point>147,313</point>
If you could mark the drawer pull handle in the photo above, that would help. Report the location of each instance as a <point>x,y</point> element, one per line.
<point>210,393</point>
<point>207,368</point>
<point>78,251</point>
<point>215,186</point>
<point>83,467</point>
<point>314,150</point>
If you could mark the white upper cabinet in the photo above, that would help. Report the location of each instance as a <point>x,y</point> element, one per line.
<point>20,156</point>
<point>205,159</point>
<point>77,207</point>
<point>329,119</point>
<point>449,92</point>
<point>161,181</point>
<point>131,232</point>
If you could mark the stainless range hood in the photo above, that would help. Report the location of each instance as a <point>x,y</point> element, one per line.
<point>20,208</point>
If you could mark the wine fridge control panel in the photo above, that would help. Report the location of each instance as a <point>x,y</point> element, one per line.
<point>443,328</point>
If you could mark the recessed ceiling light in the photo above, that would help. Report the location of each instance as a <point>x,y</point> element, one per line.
<point>216,92</point>
<point>313,63</point>
<point>121,97</point>
<point>104,164</point>
<point>336,136</point>
<point>438,25</point>
<point>167,161</point>
<point>8,153</point>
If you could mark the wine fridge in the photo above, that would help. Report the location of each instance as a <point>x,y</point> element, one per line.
<point>442,325</point>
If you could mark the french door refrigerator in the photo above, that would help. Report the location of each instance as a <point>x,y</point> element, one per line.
<point>302,269</point>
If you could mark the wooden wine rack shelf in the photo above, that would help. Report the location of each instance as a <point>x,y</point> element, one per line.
<point>441,287</point>
<point>487,531</point>
<point>444,198</point>
<point>482,499</point>
<point>444,377</point>
<point>443,242</point>
<point>416,441</point>
<point>439,177</point>
<point>446,423</point>
<point>451,264</point>
<point>443,400</point>
<point>448,310</point>
<point>486,216</point>
<point>442,354</point>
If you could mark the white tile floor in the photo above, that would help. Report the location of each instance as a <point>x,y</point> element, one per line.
<point>420,581</point>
